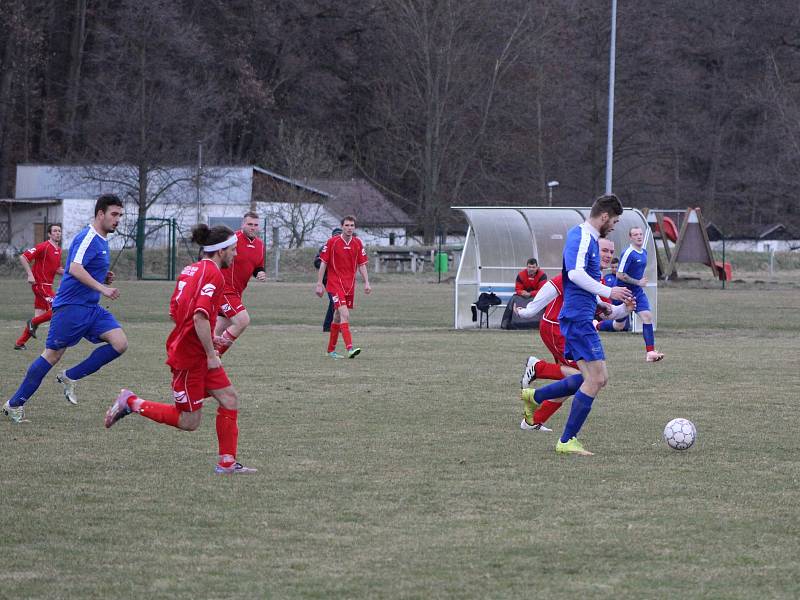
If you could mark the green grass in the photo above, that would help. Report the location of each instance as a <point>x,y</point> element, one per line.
<point>403,473</point>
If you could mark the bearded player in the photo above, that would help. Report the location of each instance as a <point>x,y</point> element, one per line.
<point>341,256</point>
<point>46,261</point>
<point>581,275</point>
<point>552,297</point>
<point>197,372</point>
<point>233,317</point>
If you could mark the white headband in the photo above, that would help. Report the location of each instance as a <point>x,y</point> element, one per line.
<point>220,246</point>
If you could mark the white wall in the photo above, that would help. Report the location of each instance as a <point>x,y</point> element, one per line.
<point>756,245</point>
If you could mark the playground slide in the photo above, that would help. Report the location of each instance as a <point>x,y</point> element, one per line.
<point>670,229</point>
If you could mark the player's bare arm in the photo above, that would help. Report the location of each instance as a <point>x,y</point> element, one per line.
<point>363,270</point>
<point>202,327</point>
<point>628,279</point>
<point>27,266</point>
<point>82,275</point>
<point>320,289</point>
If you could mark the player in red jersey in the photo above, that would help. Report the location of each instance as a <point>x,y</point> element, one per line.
<point>197,372</point>
<point>233,316</point>
<point>46,259</point>
<point>551,296</point>
<point>341,256</point>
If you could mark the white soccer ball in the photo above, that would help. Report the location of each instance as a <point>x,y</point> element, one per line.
<point>680,434</point>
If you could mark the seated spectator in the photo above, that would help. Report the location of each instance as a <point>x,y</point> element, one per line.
<point>530,279</point>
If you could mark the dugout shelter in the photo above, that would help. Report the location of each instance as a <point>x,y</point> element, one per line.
<point>500,240</point>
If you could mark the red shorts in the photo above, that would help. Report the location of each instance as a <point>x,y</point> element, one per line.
<point>552,338</point>
<point>42,296</point>
<point>191,386</point>
<point>340,298</point>
<point>231,305</point>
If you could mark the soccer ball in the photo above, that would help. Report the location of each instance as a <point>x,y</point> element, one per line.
<point>680,434</point>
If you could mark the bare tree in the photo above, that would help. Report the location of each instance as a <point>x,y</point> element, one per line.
<point>445,63</point>
<point>149,100</point>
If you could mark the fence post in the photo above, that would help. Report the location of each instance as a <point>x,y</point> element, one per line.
<point>276,247</point>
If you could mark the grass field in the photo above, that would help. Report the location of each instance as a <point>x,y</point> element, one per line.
<point>403,473</point>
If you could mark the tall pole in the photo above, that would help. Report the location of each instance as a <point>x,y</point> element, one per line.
<point>611,73</point>
<point>199,174</point>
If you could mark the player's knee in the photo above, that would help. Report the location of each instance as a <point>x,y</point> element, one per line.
<point>242,320</point>
<point>229,399</point>
<point>189,421</point>
<point>120,345</point>
<point>646,316</point>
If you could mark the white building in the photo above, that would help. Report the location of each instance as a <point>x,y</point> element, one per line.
<point>304,212</point>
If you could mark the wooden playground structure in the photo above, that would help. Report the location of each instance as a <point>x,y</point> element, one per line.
<point>683,238</point>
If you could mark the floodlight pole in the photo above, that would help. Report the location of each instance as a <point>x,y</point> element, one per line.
<point>611,74</point>
<point>550,186</point>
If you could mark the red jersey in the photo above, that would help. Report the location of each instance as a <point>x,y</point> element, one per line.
<point>343,259</point>
<point>249,257</point>
<point>530,284</point>
<point>46,259</point>
<point>199,289</point>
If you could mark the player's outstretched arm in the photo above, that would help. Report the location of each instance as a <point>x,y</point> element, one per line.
<point>544,296</point>
<point>82,275</point>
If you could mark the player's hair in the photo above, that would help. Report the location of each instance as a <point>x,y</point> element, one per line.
<point>608,204</point>
<point>250,215</point>
<point>635,227</point>
<point>50,227</point>
<point>106,200</point>
<point>533,261</point>
<point>615,260</point>
<point>348,218</point>
<point>204,235</point>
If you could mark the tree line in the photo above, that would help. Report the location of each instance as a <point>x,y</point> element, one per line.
<point>436,102</point>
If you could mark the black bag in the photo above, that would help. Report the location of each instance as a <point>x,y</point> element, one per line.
<point>486,300</point>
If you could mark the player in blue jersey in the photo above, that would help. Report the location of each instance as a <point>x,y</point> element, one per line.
<point>77,313</point>
<point>610,279</point>
<point>580,274</point>
<point>630,274</point>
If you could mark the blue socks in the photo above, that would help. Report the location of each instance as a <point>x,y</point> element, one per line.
<point>647,333</point>
<point>559,389</point>
<point>101,356</point>
<point>581,405</point>
<point>33,379</point>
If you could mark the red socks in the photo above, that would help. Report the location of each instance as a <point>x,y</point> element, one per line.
<point>224,342</point>
<point>334,337</point>
<point>348,339</point>
<point>158,412</point>
<point>23,338</point>
<point>42,318</point>
<point>546,410</point>
<point>545,370</point>
<point>227,435</point>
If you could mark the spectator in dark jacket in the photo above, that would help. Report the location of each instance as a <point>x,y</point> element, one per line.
<point>326,324</point>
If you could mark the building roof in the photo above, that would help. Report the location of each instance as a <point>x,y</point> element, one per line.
<point>357,197</point>
<point>773,231</point>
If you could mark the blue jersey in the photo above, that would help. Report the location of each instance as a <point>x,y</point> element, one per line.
<point>89,249</point>
<point>581,251</point>
<point>610,280</point>
<point>633,263</point>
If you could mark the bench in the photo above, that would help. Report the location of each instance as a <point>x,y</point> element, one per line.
<point>502,291</point>
<point>398,258</point>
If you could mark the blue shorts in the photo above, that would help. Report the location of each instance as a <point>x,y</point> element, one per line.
<point>582,342</point>
<point>73,322</point>
<point>641,298</point>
